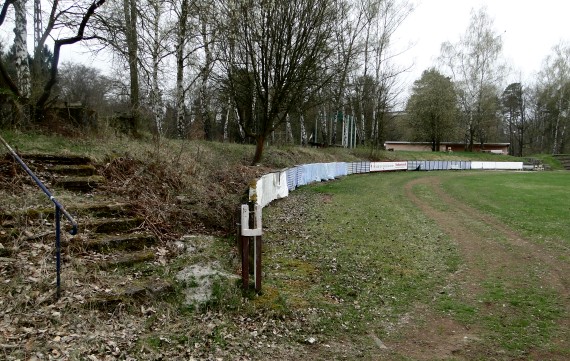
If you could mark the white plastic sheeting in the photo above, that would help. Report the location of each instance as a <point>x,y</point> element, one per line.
<point>293,178</point>
<point>278,184</point>
<point>358,167</point>
<point>317,172</point>
<point>270,187</point>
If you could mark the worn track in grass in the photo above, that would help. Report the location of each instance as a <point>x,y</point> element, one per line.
<point>492,252</point>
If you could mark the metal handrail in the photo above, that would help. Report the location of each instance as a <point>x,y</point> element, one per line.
<point>59,209</point>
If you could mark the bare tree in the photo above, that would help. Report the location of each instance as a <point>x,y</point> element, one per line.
<point>275,55</point>
<point>87,85</point>
<point>155,37</point>
<point>182,56</point>
<point>377,85</point>
<point>352,22</point>
<point>474,65</point>
<point>554,97</point>
<point>130,17</point>
<point>72,21</point>
<point>513,104</point>
<point>206,13</point>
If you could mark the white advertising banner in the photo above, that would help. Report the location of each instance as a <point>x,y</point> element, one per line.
<point>497,165</point>
<point>388,166</point>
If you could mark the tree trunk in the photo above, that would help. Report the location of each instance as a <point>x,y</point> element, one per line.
<point>303,131</point>
<point>21,49</point>
<point>205,74</point>
<point>288,130</point>
<point>180,107</point>
<point>155,98</point>
<point>130,10</point>
<point>260,144</point>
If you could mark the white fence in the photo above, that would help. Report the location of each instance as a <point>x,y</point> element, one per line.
<point>278,184</point>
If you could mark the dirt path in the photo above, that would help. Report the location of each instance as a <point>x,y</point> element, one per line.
<point>491,252</point>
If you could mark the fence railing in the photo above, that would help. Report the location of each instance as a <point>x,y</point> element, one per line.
<point>59,210</point>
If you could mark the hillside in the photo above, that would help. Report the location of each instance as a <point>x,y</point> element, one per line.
<point>153,219</point>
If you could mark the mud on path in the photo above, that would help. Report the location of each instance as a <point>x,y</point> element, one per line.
<point>491,253</point>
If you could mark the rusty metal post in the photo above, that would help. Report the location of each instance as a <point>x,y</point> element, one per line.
<point>245,261</point>
<point>257,267</point>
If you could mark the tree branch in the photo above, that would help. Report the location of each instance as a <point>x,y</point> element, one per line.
<point>57,48</point>
<point>5,10</point>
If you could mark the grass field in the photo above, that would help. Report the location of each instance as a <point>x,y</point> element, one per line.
<point>361,261</point>
<point>536,204</point>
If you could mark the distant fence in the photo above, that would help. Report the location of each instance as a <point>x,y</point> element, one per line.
<point>278,184</point>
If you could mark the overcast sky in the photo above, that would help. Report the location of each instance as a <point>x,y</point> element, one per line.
<point>530,29</point>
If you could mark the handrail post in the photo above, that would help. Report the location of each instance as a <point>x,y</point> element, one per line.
<point>58,251</point>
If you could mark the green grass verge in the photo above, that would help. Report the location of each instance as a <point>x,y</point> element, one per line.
<point>537,204</point>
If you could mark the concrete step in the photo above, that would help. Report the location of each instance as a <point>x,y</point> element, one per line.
<point>68,159</point>
<point>129,259</point>
<point>102,209</point>
<point>77,170</point>
<point>564,160</point>
<point>116,225</point>
<point>79,184</point>
<point>128,242</point>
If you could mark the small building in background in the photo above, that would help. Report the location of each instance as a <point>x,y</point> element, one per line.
<point>494,148</point>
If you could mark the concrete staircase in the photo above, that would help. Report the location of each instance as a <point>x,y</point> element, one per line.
<point>564,159</point>
<point>69,172</point>
<point>104,264</point>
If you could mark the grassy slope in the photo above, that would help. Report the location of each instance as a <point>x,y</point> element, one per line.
<point>211,177</point>
<point>229,153</point>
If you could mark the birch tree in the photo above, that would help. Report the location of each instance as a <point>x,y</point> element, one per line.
<point>474,64</point>
<point>155,39</point>
<point>352,22</point>
<point>70,23</point>
<point>553,99</point>
<point>21,49</point>
<point>383,19</point>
